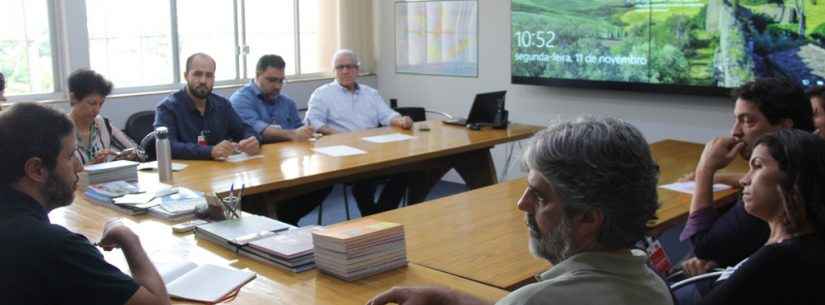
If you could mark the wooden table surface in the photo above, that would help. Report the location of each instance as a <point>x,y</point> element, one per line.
<point>478,235</point>
<point>295,164</point>
<point>481,235</point>
<point>273,285</point>
<point>675,159</point>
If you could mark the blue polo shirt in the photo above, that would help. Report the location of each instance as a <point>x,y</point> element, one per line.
<point>44,263</point>
<point>185,123</point>
<point>259,113</point>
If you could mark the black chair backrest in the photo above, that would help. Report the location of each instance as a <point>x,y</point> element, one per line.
<point>417,114</point>
<point>147,144</point>
<point>140,124</point>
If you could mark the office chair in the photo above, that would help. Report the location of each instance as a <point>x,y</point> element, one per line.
<point>710,276</point>
<point>418,114</point>
<point>147,144</point>
<point>140,124</point>
<point>344,186</point>
<point>346,204</point>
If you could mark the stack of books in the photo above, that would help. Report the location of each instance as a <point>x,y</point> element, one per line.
<point>104,194</point>
<point>357,249</point>
<point>108,171</point>
<point>162,201</point>
<point>290,250</point>
<point>177,206</point>
<point>238,232</point>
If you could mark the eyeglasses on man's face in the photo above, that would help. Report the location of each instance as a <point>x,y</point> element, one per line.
<point>279,80</point>
<point>349,66</point>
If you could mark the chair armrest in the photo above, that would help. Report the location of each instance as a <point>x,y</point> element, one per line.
<point>444,114</point>
<point>702,277</point>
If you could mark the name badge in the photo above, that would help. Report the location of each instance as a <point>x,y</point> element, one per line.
<point>202,139</point>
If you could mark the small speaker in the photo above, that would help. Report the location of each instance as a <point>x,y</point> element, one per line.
<point>500,118</point>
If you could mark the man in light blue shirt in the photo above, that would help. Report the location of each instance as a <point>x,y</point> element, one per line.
<point>274,117</point>
<point>344,105</point>
<point>263,108</point>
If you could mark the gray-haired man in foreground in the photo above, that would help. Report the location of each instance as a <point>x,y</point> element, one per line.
<point>591,191</point>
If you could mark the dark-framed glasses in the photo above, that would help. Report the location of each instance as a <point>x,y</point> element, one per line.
<point>349,66</point>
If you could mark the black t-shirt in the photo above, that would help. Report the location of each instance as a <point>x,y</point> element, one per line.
<point>733,237</point>
<point>43,263</point>
<point>785,273</point>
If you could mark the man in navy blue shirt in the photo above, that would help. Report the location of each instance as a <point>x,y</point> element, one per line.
<point>44,263</point>
<point>203,125</point>
<point>274,117</point>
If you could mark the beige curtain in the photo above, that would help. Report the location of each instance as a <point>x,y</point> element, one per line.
<point>355,31</point>
<point>341,24</point>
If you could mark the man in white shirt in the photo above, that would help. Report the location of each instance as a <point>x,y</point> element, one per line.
<point>344,105</point>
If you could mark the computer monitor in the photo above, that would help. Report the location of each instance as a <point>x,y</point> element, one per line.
<point>485,106</point>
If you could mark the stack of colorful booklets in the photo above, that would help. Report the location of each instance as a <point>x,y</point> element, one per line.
<point>235,233</point>
<point>105,193</point>
<point>107,171</point>
<point>360,248</point>
<point>290,250</point>
<point>162,200</point>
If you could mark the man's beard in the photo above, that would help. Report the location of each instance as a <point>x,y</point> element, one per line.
<point>200,91</point>
<point>555,247</point>
<point>57,192</point>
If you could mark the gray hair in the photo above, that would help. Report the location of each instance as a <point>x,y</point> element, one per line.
<point>346,52</point>
<point>600,164</point>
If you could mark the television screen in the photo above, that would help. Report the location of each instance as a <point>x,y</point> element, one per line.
<point>686,46</point>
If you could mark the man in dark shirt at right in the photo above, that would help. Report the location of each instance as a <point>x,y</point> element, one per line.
<point>722,239</point>
<point>44,263</point>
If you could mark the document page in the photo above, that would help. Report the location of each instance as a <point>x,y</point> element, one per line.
<point>242,157</point>
<point>387,138</point>
<point>339,151</point>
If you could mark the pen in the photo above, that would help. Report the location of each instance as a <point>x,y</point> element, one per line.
<point>240,194</point>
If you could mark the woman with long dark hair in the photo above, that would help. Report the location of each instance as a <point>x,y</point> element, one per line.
<point>785,187</point>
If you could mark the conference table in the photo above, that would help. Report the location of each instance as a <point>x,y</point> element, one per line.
<point>287,169</point>
<point>272,285</point>
<point>475,241</point>
<point>481,235</point>
<point>290,168</point>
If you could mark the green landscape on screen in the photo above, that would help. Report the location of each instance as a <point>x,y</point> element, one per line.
<point>720,43</point>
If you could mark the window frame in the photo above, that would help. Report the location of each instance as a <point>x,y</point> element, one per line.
<point>67,24</point>
<point>55,40</point>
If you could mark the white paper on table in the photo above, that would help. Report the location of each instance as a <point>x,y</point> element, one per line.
<point>242,157</point>
<point>688,187</point>
<point>339,151</point>
<point>393,137</point>
<point>176,167</point>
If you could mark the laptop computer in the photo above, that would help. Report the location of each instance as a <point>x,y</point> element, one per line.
<point>484,109</point>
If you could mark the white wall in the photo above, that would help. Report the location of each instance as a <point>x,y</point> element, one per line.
<point>119,108</point>
<point>659,116</point>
